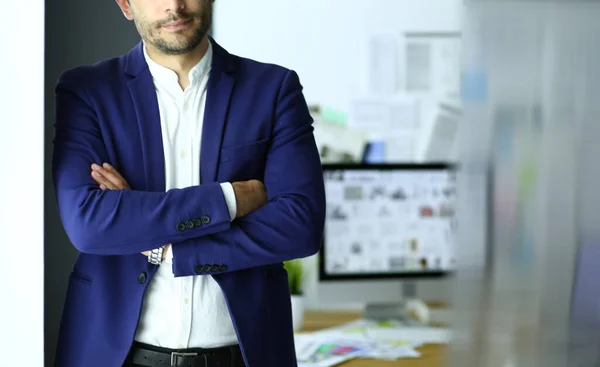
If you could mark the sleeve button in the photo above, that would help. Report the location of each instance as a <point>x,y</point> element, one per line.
<point>189,224</point>
<point>205,219</point>
<point>181,226</point>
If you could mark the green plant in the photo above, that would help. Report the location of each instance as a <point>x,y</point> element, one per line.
<point>295,270</point>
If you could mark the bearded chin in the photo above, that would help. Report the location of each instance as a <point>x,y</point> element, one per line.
<point>179,47</point>
<point>182,45</point>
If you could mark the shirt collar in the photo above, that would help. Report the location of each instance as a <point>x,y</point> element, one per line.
<point>163,74</point>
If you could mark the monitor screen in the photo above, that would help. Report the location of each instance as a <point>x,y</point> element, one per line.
<point>386,221</point>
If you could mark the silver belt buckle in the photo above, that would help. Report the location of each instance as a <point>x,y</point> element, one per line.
<point>176,355</point>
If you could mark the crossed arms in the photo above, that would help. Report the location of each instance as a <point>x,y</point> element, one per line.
<point>122,222</point>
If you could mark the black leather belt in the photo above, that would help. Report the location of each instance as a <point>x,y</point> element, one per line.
<point>160,357</point>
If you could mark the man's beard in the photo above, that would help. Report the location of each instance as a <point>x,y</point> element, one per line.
<point>181,45</point>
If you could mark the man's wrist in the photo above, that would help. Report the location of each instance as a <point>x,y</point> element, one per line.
<point>168,253</point>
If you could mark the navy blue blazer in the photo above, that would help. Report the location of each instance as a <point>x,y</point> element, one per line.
<point>256,126</point>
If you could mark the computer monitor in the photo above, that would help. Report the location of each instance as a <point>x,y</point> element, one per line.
<point>388,221</point>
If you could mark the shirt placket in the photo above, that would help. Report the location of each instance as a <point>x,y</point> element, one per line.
<point>186,160</point>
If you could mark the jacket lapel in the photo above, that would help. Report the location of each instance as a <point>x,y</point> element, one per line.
<point>219,90</point>
<point>145,102</point>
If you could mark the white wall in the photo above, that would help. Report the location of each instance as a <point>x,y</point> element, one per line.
<point>22,183</point>
<point>324,41</point>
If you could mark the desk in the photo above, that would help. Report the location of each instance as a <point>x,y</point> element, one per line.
<point>431,355</point>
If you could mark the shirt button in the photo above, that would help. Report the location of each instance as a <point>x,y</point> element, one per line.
<point>186,301</point>
<point>186,106</point>
<point>184,154</point>
<point>179,346</point>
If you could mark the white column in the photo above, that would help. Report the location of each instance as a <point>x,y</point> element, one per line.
<point>22,183</point>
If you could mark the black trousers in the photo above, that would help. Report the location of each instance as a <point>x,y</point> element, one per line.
<point>160,357</point>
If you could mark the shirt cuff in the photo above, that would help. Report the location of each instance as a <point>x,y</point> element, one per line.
<point>230,199</point>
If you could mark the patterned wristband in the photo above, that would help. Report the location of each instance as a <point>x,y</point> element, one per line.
<point>156,256</point>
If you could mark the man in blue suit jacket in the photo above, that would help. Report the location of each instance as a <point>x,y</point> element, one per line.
<point>257,134</point>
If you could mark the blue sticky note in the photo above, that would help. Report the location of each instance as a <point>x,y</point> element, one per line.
<point>474,86</point>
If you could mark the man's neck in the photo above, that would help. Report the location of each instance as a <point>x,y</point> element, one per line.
<point>180,64</point>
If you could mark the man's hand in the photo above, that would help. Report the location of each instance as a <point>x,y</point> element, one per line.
<point>249,196</point>
<point>110,179</point>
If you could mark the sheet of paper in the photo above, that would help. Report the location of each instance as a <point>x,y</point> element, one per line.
<point>442,141</point>
<point>447,69</point>
<point>335,346</point>
<point>383,64</point>
<point>416,335</point>
<point>306,346</point>
<point>390,351</point>
<point>378,117</point>
<point>389,340</point>
<point>322,351</point>
<point>418,72</point>
<point>432,63</point>
<point>390,331</point>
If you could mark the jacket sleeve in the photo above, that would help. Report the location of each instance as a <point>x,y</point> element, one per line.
<point>291,224</point>
<point>125,221</point>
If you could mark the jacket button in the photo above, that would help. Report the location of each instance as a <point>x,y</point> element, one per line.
<point>189,224</point>
<point>223,268</point>
<point>199,269</point>
<point>181,226</point>
<point>206,268</point>
<point>215,268</point>
<point>197,222</point>
<point>205,219</point>
<point>142,278</point>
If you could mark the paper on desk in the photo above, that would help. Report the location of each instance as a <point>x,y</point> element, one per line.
<point>344,346</point>
<point>388,340</point>
<point>390,351</point>
<point>306,345</point>
<point>317,351</point>
<point>390,331</point>
<point>412,334</point>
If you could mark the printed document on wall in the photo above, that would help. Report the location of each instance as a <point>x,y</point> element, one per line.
<point>383,67</point>
<point>432,63</point>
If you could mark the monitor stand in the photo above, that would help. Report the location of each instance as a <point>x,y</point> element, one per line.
<point>394,310</point>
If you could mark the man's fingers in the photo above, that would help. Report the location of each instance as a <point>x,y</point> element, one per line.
<point>103,181</point>
<point>109,177</point>
<point>99,180</point>
<point>114,172</point>
<point>146,253</point>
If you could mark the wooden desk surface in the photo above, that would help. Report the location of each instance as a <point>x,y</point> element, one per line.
<point>431,355</point>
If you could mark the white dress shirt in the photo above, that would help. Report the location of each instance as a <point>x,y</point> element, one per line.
<point>184,312</point>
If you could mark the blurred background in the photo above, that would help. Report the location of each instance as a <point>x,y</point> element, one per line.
<point>382,80</point>
<point>459,143</point>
